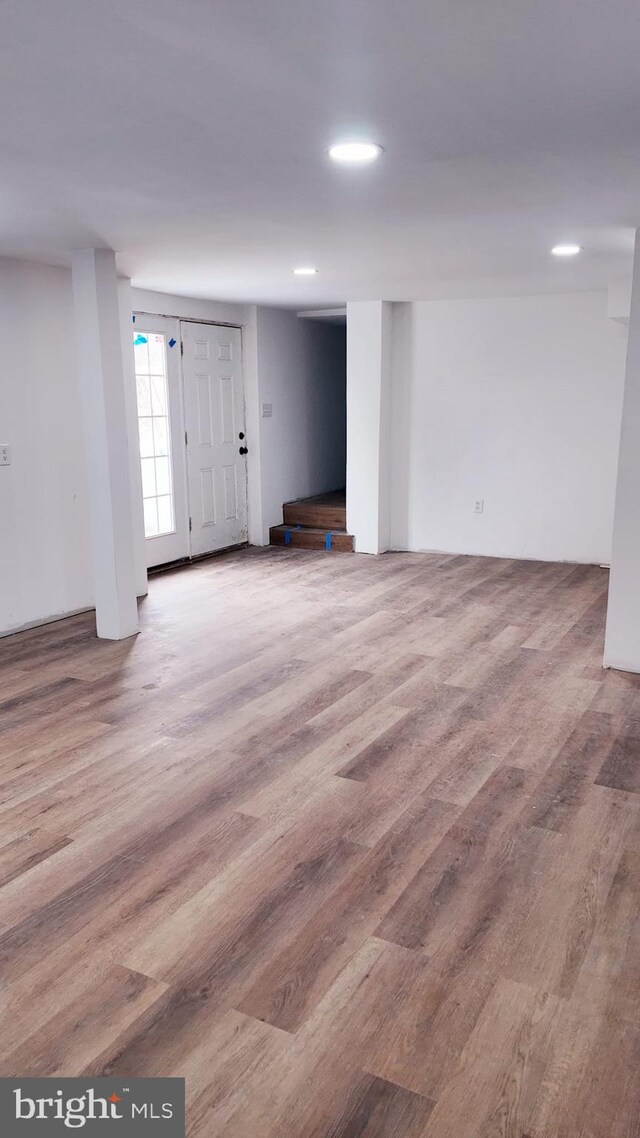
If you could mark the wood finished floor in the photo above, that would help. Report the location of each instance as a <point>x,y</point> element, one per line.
<point>353,844</point>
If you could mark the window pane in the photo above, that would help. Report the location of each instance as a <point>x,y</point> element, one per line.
<point>146,437</point>
<point>153,426</point>
<point>150,517</point>
<point>163,476</point>
<point>141,353</point>
<point>147,466</point>
<point>160,437</point>
<point>165,514</point>
<point>144,395</point>
<point>156,354</point>
<point>158,395</point>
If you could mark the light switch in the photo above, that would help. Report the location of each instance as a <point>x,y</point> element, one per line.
<point>5,454</point>
<point>267,410</point>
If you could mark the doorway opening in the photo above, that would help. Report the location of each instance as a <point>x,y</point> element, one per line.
<point>313,512</point>
<point>191,426</point>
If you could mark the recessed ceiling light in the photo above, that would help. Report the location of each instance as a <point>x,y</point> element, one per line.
<point>305,271</point>
<point>566,250</point>
<point>355,153</point>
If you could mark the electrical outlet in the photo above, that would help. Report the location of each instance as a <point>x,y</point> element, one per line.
<point>5,455</point>
<point>479,506</point>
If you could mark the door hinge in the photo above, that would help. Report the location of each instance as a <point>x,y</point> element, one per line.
<point>190,525</point>
<point>181,347</point>
<point>186,439</point>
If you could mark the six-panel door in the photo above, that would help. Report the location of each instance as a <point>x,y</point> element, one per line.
<point>216,439</point>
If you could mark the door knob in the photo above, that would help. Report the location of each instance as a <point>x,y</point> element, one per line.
<point>243,450</point>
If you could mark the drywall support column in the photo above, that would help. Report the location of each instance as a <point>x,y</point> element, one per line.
<point>369,329</point>
<point>104,410</point>
<point>622,640</point>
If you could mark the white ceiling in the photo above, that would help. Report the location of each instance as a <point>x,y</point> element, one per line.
<point>190,136</point>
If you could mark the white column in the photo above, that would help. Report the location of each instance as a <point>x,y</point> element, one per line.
<point>622,641</point>
<point>131,399</point>
<point>101,377</point>
<point>369,329</point>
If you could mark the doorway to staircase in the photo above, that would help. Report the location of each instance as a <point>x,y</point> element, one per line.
<point>310,512</point>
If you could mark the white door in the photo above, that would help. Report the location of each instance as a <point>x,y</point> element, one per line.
<point>156,347</point>
<point>215,431</point>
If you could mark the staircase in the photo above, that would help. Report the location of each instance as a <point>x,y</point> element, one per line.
<point>315,523</point>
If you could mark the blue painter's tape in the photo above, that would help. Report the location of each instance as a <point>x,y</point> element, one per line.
<point>327,541</point>
<point>287,537</point>
<point>140,339</point>
<point>172,342</point>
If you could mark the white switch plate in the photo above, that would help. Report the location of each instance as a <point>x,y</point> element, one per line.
<point>479,506</point>
<point>5,454</point>
<point>267,410</point>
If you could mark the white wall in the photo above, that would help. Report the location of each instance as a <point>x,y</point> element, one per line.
<point>516,401</point>
<point>44,526</point>
<point>302,373</point>
<point>188,308</point>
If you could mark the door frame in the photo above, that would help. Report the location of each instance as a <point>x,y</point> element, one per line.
<point>170,327</point>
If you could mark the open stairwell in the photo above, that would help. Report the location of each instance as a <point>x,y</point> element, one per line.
<point>315,523</point>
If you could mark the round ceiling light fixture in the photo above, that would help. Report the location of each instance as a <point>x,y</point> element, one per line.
<point>305,271</point>
<point>566,250</point>
<point>354,153</point>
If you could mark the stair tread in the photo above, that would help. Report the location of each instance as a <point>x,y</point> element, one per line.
<point>319,517</point>
<point>310,529</point>
<point>329,498</point>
